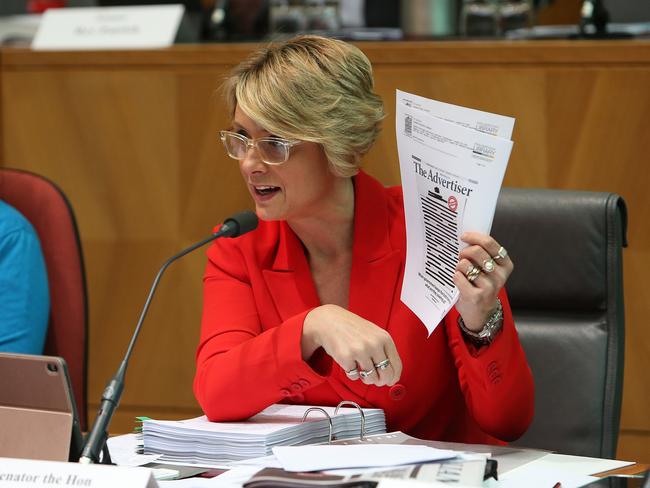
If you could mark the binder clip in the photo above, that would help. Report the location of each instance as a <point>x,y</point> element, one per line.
<point>491,470</point>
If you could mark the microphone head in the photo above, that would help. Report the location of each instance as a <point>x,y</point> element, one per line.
<point>239,224</point>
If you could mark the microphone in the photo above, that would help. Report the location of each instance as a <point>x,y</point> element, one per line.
<point>95,442</point>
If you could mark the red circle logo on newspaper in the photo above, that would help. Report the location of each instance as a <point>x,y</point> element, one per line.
<point>452,203</point>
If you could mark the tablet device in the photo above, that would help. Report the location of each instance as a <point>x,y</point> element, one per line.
<point>38,416</point>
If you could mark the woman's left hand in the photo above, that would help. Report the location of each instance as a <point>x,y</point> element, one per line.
<point>478,297</point>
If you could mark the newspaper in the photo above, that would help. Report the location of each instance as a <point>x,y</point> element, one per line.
<point>452,163</point>
<point>469,472</point>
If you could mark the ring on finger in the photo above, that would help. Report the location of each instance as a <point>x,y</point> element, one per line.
<point>353,373</point>
<point>489,265</point>
<point>471,270</point>
<point>383,364</point>
<point>472,273</point>
<point>501,254</point>
<point>365,374</point>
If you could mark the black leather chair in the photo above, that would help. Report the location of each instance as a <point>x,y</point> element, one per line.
<point>566,293</point>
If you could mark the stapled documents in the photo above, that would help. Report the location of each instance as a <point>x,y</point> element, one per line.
<point>452,163</point>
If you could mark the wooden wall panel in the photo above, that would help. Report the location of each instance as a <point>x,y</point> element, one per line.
<point>131,137</point>
<point>111,140</point>
<point>490,89</point>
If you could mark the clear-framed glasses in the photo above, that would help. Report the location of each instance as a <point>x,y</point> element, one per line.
<point>272,150</point>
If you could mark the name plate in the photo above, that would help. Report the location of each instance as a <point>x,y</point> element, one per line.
<point>26,473</point>
<point>140,27</point>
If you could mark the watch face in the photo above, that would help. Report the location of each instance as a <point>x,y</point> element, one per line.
<point>489,331</point>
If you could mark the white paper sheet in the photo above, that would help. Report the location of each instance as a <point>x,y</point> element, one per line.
<point>539,477</point>
<point>123,449</point>
<point>273,462</point>
<point>261,462</point>
<point>578,465</point>
<point>401,483</point>
<point>130,27</point>
<point>451,177</point>
<point>493,124</point>
<point>32,473</point>
<point>317,458</point>
<point>233,478</point>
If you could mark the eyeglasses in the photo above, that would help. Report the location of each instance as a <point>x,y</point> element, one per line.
<point>272,150</point>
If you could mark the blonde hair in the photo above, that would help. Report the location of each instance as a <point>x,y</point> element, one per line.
<point>313,89</point>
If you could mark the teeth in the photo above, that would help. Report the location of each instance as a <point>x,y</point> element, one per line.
<point>262,188</point>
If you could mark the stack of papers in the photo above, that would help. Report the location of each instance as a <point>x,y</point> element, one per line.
<point>452,162</point>
<point>199,441</point>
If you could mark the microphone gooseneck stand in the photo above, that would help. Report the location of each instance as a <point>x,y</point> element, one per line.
<point>95,442</point>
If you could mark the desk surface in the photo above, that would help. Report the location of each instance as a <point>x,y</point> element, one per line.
<point>122,449</point>
<point>635,468</point>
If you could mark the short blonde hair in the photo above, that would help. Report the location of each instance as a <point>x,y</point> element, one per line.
<point>313,89</point>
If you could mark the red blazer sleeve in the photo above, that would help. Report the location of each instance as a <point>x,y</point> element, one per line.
<point>241,368</point>
<point>496,379</point>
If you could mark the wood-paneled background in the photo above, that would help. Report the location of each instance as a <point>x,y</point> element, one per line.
<point>131,137</point>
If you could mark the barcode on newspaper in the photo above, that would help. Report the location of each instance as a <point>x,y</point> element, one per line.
<point>440,230</point>
<point>408,125</point>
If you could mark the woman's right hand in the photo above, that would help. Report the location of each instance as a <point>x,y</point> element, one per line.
<point>356,344</point>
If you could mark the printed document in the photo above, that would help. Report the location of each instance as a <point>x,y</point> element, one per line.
<point>452,163</point>
<point>318,458</point>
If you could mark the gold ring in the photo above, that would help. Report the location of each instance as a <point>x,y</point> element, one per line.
<point>472,273</point>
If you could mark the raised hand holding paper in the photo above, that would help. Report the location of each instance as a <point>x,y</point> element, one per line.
<point>451,176</point>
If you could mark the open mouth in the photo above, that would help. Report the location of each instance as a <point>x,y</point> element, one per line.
<point>266,190</point>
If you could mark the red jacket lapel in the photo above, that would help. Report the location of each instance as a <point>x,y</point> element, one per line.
<point>375,264</point>
<point>289,280</point>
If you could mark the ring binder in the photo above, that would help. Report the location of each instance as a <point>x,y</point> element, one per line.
<point>199,440</point>
<point>362,432</point>
<point>312,409</point>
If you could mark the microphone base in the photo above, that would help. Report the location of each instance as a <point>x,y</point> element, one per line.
<point>105,459</point>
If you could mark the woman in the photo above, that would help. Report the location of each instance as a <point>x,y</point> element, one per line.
<point>306,309</point>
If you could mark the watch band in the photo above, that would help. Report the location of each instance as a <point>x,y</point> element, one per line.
<point>492,327</point>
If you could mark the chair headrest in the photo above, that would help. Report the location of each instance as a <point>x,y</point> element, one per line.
<point>559,241</point>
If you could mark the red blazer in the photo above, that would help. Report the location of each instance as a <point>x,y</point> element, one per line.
<point>258,289</point>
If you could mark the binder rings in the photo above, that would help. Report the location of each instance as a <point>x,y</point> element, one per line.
<point>201,441</point>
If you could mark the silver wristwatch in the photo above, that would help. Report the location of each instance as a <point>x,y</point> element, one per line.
<point>489,331</point>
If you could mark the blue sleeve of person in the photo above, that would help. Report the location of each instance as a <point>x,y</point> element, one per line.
<point>24,294</point>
